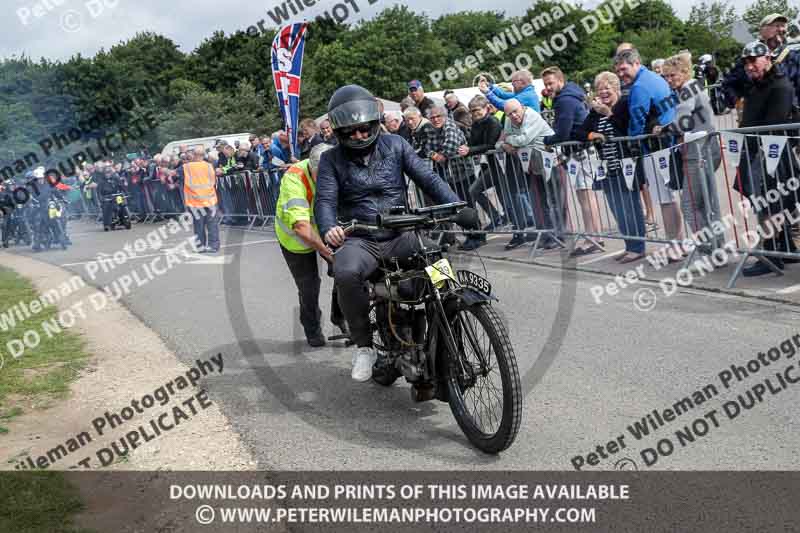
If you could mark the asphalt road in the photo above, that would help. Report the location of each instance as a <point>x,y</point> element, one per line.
<point>599,368</point>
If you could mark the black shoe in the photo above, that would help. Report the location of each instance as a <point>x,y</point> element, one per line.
<point>317,340</point>
<point>550,244</point>
<point>760,268</point>
<point>106,228</point>
<point>384,372</point>
<point>516,241</point>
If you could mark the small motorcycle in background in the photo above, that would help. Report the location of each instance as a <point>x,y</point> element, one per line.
<point>49,226</point>
<point>121,215</point>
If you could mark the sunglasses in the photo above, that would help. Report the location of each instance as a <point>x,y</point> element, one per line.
<point>413,89</point>
<point>362,129</point>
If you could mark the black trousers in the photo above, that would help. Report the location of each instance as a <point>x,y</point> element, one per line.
<point>108,212</point>
<point>305,271</point>
<point>355,262</point>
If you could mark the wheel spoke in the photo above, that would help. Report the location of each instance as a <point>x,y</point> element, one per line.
<point>483,399</point>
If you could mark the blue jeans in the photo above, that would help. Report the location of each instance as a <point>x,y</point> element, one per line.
<point>627,209</point>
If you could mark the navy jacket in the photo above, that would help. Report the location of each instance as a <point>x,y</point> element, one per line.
<point>349,190</point>
<point>736,84</point>
<point>570,111</point>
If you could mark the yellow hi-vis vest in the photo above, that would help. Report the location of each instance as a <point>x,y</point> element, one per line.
<point>199,182</point>
<point>295,204</point>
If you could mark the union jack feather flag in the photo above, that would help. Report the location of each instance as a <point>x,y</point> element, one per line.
<point>287,67</point>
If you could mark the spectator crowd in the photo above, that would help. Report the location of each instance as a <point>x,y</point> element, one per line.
<point>497,149</point>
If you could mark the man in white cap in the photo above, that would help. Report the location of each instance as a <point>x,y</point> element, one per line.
<point>772,33</point>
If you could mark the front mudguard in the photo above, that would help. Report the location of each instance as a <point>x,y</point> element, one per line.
<point>455,301</point>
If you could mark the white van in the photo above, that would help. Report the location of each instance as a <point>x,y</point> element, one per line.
<point>207,143</point>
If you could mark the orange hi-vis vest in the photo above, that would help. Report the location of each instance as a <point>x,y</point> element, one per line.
<point>199,184</point>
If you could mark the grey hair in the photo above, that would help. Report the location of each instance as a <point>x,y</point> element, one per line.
<point>393,115</point>
<point>436,107</point>
<point>478,101</point>
<point>412,112</point>
<point>657,63</point>
<point>629,56</point>
<point>316,154</point>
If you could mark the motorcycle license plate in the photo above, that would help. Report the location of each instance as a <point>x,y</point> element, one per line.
<point>53,212</point>
<point>440,272</point>
<point>474,281</point>
<point>119,199</point>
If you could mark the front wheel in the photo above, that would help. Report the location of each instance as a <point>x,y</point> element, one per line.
<point>482,379</point>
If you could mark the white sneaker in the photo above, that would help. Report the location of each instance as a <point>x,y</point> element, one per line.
<point>363,360</point>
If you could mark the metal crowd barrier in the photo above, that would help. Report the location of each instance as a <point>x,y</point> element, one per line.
<point>660,190</point>
<point>246,199</point>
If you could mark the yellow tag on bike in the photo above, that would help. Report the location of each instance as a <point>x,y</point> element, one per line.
<point>440,272</point>
<point>119,199</point>
<point>53,212</point>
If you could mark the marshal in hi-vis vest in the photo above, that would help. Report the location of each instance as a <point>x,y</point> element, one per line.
<point>199,184</point>
<point>295,204</point>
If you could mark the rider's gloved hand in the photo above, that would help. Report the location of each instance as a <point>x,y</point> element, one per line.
<point>335,237</point>
<point>467,218</point>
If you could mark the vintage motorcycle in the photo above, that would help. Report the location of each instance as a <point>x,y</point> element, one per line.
<point>436,326</point>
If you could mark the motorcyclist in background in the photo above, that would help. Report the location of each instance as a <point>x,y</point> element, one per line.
<point>108,185</point>
<point>42,191</point>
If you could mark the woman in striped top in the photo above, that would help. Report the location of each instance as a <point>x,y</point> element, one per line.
<point>609,118</point>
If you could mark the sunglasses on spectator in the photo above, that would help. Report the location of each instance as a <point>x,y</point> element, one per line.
<point>362,129</point>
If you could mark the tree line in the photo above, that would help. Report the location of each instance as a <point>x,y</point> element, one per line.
<point>225,84</point>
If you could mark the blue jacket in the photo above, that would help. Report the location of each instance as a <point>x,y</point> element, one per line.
<point>349,190</point>
<point>570,111</point>
<point>648,101</point>
<point>276,150</point>
<point>526,97</point>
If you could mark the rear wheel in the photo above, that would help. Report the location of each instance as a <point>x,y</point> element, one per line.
<point>482,379</point>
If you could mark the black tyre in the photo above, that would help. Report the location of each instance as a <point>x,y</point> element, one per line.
<point>485,398</point>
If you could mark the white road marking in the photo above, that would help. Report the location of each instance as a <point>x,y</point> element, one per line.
<point>198,259</point>
<point>164,252</point>
<point>789,290</point>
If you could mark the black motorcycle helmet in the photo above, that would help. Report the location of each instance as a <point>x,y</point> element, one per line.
<point>352,107</point>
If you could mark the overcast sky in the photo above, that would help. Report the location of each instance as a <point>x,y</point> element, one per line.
<point>69,27</point>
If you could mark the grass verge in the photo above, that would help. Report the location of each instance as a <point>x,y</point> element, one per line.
<point>43,373</point>
<point>38,502</point>
<point>35,502</point>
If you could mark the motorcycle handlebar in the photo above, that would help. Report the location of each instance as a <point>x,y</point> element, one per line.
<point>421,218</point>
